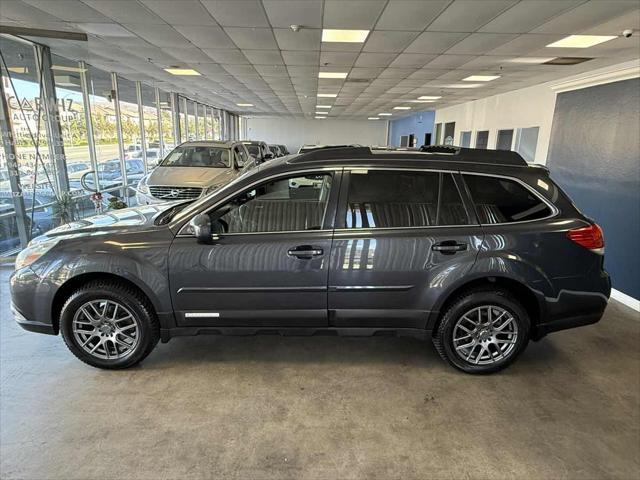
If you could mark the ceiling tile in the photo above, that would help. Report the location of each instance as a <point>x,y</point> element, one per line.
<point>252,38</point>
<point>374,59</point>
<point>264,57</point>
<point>434,42</point>
<point>479,43</point>
<point>191,54</point>
<point>159,35</point>
<point>468,15</point>
<point>234,13</point>
<point>207,37</point>
<point>305,39</point>
<point>300,58</point>
<point>410,15</point>
<point>338,58</point>
<point>184,12</point>
<point>284,13</point>
<point>586,15</point>
<point>527,15</point>
<point>526,43</point>
<point>352,14</point>
<point>229,57</point>
<point>388,41</point>
<point>67,10</point>
<point>125,11</point>
<point>411,60</point>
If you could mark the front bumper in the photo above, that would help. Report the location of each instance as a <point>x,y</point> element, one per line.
<point>31,325</point>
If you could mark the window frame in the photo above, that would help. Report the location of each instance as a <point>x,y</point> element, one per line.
<point>554,210</point>
<point>341,211</point>
<point>328,221</point>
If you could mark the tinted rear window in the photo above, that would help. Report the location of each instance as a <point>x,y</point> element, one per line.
<point>385,199</point>
<point>499,200</point>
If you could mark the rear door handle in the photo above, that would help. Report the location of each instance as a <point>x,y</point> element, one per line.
<point>449,247</point>
<point>305,251</point>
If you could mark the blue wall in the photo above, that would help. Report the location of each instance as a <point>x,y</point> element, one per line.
<point>594,155</point>
<point>418,123</point>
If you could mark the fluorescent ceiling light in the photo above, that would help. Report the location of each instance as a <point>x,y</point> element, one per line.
<point>181,71</point>
<point>321,113</point>
<point>323,106</point>
<point>332,75</point>
<point>532,60</point>
<point>345,36</point>
<point>385,114</point>
<point>327,95</point>
<point>480,78</point>
<point>428,97</point>
<point>244,104</point>
<point>463,85</point>
<point>402,108</point>
<point>320,118</point>
<point>18,69</point>
<point>581,41</point>
<point>417,101</point>
<point>373,118</point>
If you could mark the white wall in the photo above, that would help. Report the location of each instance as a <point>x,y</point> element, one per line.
<point>295,132</point>
<point>528,107</point>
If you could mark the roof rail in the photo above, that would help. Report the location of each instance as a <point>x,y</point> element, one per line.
<point>431,152</point>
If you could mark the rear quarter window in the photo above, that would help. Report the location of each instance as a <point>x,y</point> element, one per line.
<point>501,200</point>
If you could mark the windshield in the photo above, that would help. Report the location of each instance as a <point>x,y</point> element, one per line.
<point>200,156</point>
<point>253,149</point>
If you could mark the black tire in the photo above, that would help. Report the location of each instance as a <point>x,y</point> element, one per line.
<point>443,337</point>
<point>131,299</point>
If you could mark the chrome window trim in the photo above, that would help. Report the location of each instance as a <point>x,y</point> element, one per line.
<point>257,182</point>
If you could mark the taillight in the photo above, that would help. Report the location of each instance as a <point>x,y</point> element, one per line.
<point>588,237</point>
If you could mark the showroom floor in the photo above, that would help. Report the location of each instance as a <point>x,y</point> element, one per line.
<point>274,407</point>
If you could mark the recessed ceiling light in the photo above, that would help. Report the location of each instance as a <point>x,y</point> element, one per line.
<point>385,114</point>
<point>332,75</point>
<point>428,97</point>
<point>327,95</point>
<point>323,106</point>
<point>418,101</point>
<point>402,108</point>
<point>581,41</point>
<point>345,36</point>
<point>320,118</point>
<point>533,60</point>
<point>480,78</point>
<point>463,85</point>
<point>18,69</point>
<point>244,104</point>
<point>373,118</point>
<point>181,71</point>
<point>321,113</point>
<point>64,68</point>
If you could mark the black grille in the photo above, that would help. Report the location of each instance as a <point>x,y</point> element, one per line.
<point>175,193</point>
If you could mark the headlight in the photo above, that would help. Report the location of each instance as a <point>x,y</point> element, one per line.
<point>33,252</point>
<point>142,185</point>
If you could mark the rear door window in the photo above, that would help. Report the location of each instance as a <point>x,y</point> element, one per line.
<point>500,200</point>
<point>403,199</point>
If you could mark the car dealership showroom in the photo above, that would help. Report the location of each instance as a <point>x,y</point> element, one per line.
<point>320,239</point>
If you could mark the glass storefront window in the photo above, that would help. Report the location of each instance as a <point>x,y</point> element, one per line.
<point>131,135</point>
<point>168,140</point>
<point>191,120</point>
<point>202,119</point>
<point>151,133</point>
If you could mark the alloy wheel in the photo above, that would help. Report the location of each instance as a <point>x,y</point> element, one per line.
<point>106,329</point>
<point>485,335</point>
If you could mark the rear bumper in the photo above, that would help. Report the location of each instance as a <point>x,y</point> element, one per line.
<point>31,325</point>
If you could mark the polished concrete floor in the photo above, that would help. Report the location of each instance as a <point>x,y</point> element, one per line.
<point>326,408</point>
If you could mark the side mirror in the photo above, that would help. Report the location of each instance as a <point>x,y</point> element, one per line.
<point>201,225</point>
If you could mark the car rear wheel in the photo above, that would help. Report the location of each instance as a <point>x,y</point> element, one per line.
<point>483,331</point>
<point>109,325</point>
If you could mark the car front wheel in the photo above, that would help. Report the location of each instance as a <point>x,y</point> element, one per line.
<point>483,331</point>
<point>109,325</point>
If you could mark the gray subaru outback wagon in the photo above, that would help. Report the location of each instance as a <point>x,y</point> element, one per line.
<point>473,249</point>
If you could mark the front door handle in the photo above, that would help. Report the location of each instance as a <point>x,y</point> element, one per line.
<point>449,247</point>
<point>305,251</point>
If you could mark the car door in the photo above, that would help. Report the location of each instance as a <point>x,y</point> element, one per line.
<point>401,238</point>
<point>268,263</point>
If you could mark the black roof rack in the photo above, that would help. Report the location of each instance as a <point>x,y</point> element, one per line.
<point>431,152</point>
